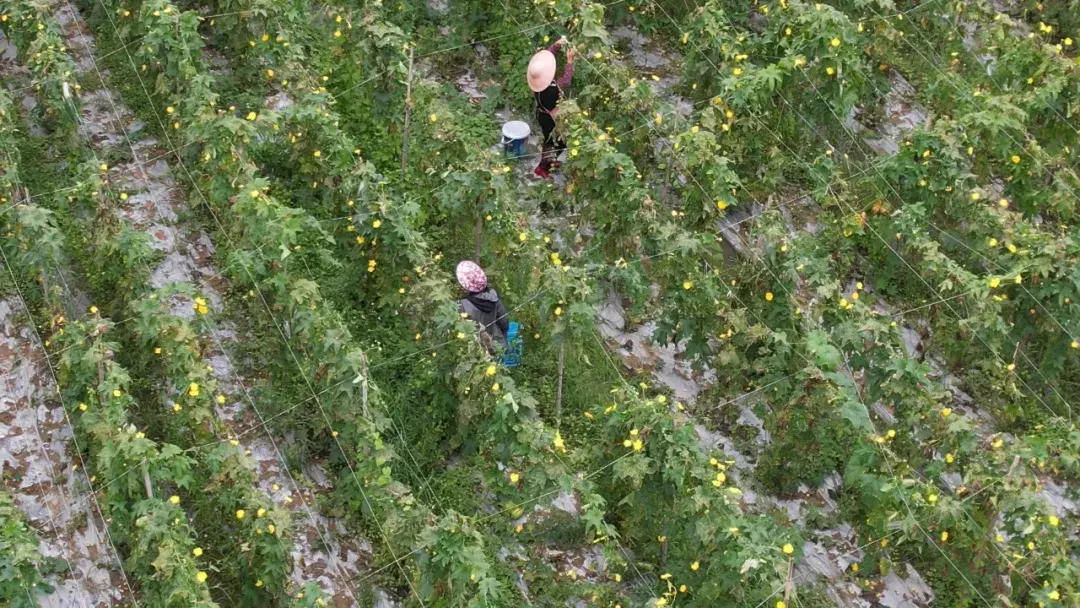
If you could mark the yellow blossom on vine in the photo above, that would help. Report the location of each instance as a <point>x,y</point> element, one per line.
<point>558,442</point>
<point>788,549</point>
<point>174,499</point>
<point>240,514</point>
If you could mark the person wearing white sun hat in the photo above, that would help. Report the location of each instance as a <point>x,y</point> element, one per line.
<point>547,91</point>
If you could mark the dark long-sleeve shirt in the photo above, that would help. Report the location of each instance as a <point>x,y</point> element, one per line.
<point>548,99</point>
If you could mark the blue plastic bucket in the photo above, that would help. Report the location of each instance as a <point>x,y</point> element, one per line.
<point>515,134</point>
<point>514,346</point>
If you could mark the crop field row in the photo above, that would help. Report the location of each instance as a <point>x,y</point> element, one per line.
<point>799,306</point>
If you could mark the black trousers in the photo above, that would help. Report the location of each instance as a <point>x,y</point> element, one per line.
<point>552,146</point>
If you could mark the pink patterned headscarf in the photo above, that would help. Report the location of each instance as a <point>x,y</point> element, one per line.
<point>471,277</point>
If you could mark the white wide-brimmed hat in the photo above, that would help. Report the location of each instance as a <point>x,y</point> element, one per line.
<point>541,71</point>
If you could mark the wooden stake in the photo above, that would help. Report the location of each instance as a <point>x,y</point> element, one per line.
<point>408,112</point>
<point>364,382</point>
<point>558,388</point>
<point>146,480</point>
<point>478,236</point>
<point>787,585</point>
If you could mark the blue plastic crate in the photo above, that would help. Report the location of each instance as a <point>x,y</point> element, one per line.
<point>514,346</point>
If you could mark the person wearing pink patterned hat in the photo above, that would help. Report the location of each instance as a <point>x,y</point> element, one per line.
<point>482,304</point>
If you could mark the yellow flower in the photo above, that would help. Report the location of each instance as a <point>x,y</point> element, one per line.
<point>1054,595</point>
<point>1015,159</point>
<point>627,443</point>
<point>944,536</point>
<point>271,528</point>
<point>737,71</point>
<point>659,118</point>
<point>200,576</point>
<point>949,458</point>
<point>835,42</point>
<point>946,412</point>
<point>252,116</point>
<point>240,514</point>
<point>221,399</point>
<point>780,604</point>
<point>637,445</point>
<point>994,282</point>
<point>495,387</point>
<point>515,477</point>
<point>260,513</point>
<point>721,205</point>
<point>174,499</point>
<point>523,236</point>
<point>831,71</point>
<point>992,242</point>
<point>376,224</point>
<point>433,118</point>
<point>558,311</point>
<point>558,442</point>
<point>317,153</point>
<point>688,285</point>
<point>788,549</point>
<point>491,370</point>
<point>1012,248</point>
<point>116,393</point>
<point>694,566</point>
<point>932,498</point>
<point>193,389</point>
<point>1053,520</point>
<point>1003,203</point>
<point>103,168</point>
<point>82,407</point>
<point>1074,344</point>
<point>197,551</point>
<point>768,296</point>
<point>975,196</point>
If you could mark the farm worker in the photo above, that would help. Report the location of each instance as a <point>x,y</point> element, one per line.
<point>547,91</point>
<point>482,304</point>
